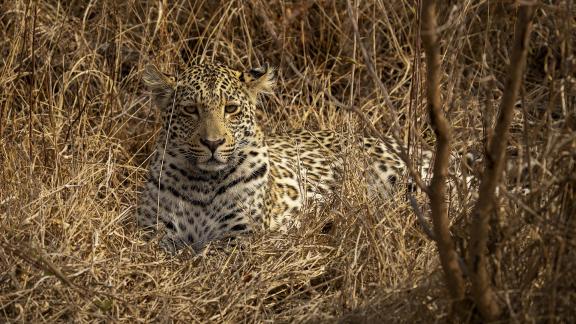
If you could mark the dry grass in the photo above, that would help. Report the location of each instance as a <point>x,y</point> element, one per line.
<point>76,130</point>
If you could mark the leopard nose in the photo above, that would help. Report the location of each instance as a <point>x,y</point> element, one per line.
<point>212,145</point>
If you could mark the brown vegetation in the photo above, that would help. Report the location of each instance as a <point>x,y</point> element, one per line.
<point>76,130</point>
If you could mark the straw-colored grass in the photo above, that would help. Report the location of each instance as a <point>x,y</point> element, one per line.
<point>77,129</point>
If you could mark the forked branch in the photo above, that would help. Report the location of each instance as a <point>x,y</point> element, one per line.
<point>495,161</point>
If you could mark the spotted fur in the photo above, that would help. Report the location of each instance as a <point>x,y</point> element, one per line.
<point>215,174</point>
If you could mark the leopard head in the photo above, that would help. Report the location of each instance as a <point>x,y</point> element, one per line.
<point>209,112</point>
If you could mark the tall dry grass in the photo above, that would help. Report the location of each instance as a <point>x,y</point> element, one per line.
<point>76,131</point>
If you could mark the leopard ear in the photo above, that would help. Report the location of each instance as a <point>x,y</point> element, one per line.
<point>161,86</point>
<point>259,80</point>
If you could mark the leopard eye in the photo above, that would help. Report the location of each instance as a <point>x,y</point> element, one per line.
<point>190,109</point>
<point>231,108</point>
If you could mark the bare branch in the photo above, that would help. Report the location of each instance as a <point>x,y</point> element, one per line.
<point>495,160</point>
<point>437,190</point>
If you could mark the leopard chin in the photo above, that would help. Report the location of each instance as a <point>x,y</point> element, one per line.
<point>212,165</point>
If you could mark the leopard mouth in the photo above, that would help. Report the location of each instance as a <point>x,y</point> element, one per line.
<point>213,164</point>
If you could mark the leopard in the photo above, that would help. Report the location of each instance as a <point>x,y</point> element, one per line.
<point>216,174</point>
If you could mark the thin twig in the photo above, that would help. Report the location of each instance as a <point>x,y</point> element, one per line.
<point>368,61</point>
<point>32,88</point>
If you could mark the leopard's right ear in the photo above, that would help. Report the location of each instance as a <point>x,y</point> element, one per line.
<point>259,80</point>
<point>161,86</point>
